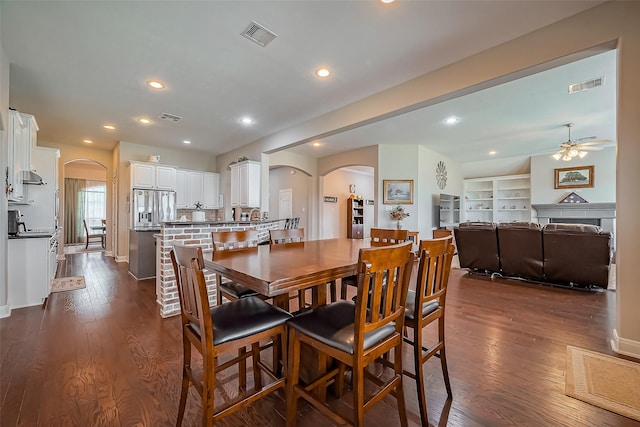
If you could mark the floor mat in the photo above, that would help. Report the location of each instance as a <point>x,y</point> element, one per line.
<point>67,284</point>
<point>605,381</point>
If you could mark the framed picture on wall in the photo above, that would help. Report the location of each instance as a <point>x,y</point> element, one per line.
<point>397,192</point>
<point>575,177</point>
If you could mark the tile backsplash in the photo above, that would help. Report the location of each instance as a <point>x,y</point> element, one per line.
<point>210,214</point>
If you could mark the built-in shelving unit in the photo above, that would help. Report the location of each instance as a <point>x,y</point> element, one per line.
<point>449,210</point>
<point>498,198</point>
<point>355,219</point>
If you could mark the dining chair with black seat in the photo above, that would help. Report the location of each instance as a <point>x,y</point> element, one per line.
<point>233,241</point>
<point>379,237</point>
<point>355,334</point>
<point>220,330</point>
<point>92,236</point>
<point>430,294</point>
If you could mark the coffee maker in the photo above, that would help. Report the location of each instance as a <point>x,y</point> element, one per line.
<point>14,222</point>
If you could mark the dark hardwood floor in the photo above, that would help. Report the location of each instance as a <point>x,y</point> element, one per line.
<point>102,356</point>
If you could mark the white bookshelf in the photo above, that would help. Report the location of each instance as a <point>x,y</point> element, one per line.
<point>497,198</point>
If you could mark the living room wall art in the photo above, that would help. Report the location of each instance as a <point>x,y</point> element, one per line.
<point>575,177</point>
<point>397,192</point>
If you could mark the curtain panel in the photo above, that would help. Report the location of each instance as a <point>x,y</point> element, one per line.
<point>74,210</point>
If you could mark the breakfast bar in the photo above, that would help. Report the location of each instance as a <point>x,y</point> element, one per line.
<point>195,233</point>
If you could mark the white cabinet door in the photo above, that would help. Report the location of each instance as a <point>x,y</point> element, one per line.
<point>15,156</point>
<point>165,178</point>
<point>143,175</point>
<point>196,189</point>
<point>182,193</point>
<point>245,184</point>
<point>211,190</point>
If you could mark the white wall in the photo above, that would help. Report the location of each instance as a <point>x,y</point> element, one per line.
<point>604,189</point>
<point>4,115</point>
<point>334,215</point>
<point>300,185</point>
<point>496,167</point>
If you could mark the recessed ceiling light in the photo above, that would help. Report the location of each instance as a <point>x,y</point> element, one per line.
<point>186,142</point>
<point>144,121</point>
<point>110,127</point>
<point>316,144</point>
<point>88,141</point>
<point>386,1</point>
<point>323,72</point>
<point>247,121</point>
<point>492,152</point>
<point>451,120</point>
<point>155,84</point>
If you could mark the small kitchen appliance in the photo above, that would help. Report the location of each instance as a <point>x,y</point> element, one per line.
<point>14,222</point>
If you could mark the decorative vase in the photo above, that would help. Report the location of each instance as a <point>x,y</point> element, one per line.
<point>399,224</point>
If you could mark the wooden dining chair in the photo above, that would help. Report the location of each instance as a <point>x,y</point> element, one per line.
<point>233,241</point>
<point>92,236</point>
<point>430,294</point>
<point>440,233</point>
<point>379,237</point>
<point>220,330</point>
<point>355,334</point>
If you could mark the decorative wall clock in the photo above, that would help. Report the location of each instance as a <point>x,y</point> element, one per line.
<point>441,175</point>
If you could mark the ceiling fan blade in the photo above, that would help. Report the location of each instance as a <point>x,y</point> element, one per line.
<point>601,141</point>
<point>585,138</point>
<point>590,148</point>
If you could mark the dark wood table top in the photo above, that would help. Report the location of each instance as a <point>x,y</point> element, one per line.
<point>274,270</point>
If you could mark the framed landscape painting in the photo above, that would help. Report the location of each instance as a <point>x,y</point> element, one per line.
<point>397,192</point>
<point>576,177</point>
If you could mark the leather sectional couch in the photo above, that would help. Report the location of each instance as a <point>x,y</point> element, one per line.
<point>564,254</point>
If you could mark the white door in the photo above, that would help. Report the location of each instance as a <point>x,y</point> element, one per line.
<point>285,204</point>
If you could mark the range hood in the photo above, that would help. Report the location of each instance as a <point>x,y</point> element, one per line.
<point>30,177</point>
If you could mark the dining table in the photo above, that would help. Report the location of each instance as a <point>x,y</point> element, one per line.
<point>277,270</point>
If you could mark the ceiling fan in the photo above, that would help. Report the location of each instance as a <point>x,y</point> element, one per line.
<point>575,148</point>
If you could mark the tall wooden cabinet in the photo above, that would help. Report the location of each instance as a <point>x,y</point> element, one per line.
<point>355,219</point>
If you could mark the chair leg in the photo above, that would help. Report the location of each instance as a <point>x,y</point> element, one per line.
<point>242,369</point>
<point>292,378</point>
<point>255,356</point>
<point>397,364</point>
<point>184,390</point>
<point>358,395</point>
<point>343,291</point>
<point>417,362</point>
<point>443,356</point>
<point>333,290</point>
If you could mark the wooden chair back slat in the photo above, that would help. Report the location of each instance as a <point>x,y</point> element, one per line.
<point>287,235</point>
<point>230,240</point>
<point>434,269</point>
<point>387,236</point>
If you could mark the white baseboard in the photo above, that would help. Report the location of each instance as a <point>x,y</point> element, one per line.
<point>625,346</point>
<point>5,311</point>
<point>121,258</point>
<point>108,253</point>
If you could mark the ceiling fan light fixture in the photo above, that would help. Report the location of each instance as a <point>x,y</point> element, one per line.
<point>581,154</point>
<point>558,155</point>
<point>572,152</point>
<point>567,158</point>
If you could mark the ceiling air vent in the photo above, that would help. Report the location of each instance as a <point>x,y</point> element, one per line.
<point>170,117</point>
<point>259,34</point>
<point>589,84</point>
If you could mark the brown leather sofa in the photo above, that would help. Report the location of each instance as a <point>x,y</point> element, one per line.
<point>480,243</point>
<point>566,254</point>
<point>576,253</point>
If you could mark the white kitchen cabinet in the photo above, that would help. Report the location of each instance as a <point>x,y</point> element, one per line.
<point>152,176</point>
<point>211,191</point>
<point>245,184</point>
<point>196,189</point>
<point>30,286</point>
<point>181,189</point>
<point>22,137</point>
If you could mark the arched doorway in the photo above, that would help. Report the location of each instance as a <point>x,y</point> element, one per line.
<point>84,206</point>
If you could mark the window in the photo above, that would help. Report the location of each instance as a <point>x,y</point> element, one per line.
<point>95,202</point>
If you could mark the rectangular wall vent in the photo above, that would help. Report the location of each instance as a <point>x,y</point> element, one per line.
<point>259,34</point>
<point>170,117</point>
<point>589,84</point>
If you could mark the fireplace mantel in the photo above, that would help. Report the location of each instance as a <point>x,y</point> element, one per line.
<point>575,210</point>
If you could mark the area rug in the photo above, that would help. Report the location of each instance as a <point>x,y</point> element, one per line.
<point>605,381</point>
<point>67,284</point>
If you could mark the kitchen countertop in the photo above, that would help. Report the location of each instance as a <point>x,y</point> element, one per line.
<point>155,228</point>
<point>261,221</point>
<point>33,235</point>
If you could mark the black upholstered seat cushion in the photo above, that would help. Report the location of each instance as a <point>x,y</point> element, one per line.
<point>333,325</point>
<point>410,306</point>
<point>242,318</point>
<point>236,290</point>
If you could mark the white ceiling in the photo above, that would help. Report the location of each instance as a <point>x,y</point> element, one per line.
<point>78,65</point>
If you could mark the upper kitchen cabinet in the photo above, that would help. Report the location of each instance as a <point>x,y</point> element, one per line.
<point>22,138</point>
<point>152,176</point>
<point>182,189</point>
<point>197,187</point>
<point>245,184</point>
<point>211,196</point>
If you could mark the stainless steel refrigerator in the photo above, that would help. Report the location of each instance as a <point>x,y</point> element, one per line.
<point>151,207</point>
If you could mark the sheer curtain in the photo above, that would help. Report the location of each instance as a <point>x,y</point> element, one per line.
<point>74,210</point>
<point>84,199</point>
